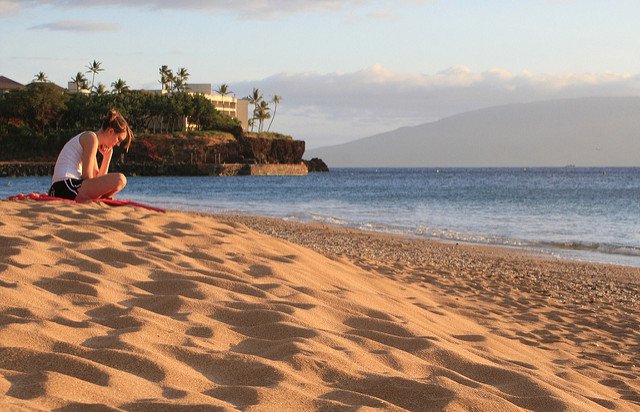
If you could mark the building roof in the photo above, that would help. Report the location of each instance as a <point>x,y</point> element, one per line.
<point>8,84</point>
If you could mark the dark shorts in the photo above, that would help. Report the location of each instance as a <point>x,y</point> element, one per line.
<point>66,189</point>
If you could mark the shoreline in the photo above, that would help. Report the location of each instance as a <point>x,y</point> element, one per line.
<point>543,252</point>
<point>576,238</point>
<point>121,307</point>
<point>350,242</point>
<point>29,169</point>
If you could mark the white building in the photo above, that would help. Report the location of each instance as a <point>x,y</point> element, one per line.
<point>73,88</point>
<point>229,105</point>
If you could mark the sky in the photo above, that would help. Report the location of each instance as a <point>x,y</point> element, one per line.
<point>344,69</point>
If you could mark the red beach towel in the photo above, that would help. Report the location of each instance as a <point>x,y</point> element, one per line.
<point>110,202</point>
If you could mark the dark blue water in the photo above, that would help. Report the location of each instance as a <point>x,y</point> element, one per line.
<point>587,214</point>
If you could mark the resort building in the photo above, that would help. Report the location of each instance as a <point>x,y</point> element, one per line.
<point>73,88</point>
<point>229,105</point>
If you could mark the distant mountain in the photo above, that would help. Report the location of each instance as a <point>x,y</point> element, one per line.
<point>595,131</point>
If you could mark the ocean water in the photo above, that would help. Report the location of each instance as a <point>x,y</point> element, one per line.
<point>589,214</point>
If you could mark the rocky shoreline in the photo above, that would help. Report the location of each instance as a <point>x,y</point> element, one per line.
<point>202,155</point>
<point>577,283</point>
<point>20,169</point>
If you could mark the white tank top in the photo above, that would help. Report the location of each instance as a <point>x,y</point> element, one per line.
<point>69,163</point>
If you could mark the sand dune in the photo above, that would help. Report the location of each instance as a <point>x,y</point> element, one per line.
<point>126,309</point>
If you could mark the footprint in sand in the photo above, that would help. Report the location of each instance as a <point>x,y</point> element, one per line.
<point>172,287</point>
<point>16,315</point>
<point>32,361</point>
<point>260,271</point>
<point>470,338</point>
<point>276,331</point>
<point>200,331</point>
<point>76,236</point>
<point>3,284</point>
<point>388,333</point>
<point>61,286</point>
<point>282,259</point>
<point>200,255</point>
<point>173,393</point>
<point>132,363</point>
<point>396,391</point>
<point>169,305</point>
<point>115,257</point>
<point>230,369</point>
<point>248,317</point>
<point>239,396</point>
<point>28,385</point>
<point>11,246</point>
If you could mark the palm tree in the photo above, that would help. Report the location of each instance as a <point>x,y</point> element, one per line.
<point>223,90</point>
<point>80,81</point>
<point>255,98</point>
<point>262,113</point>
<point>179,84</point>
<point>181,79</point>
<point>164,77</point>
<point>275,100</point>
<point>101,89</point>
<point>119,86</point>
<point>94,68</point>
<point>171,80</point>
<point>40,77</point>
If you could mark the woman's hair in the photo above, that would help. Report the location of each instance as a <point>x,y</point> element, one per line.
<point>115,121</point>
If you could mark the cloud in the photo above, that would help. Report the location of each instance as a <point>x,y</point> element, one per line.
<point>254,9</point>
<point>378,99</point>
<point>8,8</point>
<point>76,26</point>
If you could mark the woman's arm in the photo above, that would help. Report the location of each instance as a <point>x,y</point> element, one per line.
<point>89,143</point>
<point>106,160</point>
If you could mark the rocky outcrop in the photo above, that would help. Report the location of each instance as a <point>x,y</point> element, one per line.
<point>167,169</point>
<point>215,155</point>
<point>11,169</point>
<point>273,150</point>
<point>278,169</point>
<point>177,150</point>
<point>316,165</point>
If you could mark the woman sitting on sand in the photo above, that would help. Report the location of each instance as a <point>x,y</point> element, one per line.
<point>76,175</point>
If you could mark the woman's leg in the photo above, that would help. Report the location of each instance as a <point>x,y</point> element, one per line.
<point>101,187</point>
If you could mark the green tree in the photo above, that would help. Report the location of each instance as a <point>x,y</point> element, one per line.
<point>164,77</point>
<point>40,77</point>
<point>94,68</point>
<point>77,113</point>
<point>101,89</point>
<point>119,86</point>
<point>179,85</point>
<point>223,90</point>
<point>255,98</point>
<point>262,113</point>
<point>181,79</point>
<point>80,81</point>
<point>46,103</point>
<point>276,101</point>
<point>171,80</point>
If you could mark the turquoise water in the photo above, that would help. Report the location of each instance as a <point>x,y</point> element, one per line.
<point>584,214</point>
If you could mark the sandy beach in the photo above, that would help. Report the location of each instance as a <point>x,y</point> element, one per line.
<point>120,308</point>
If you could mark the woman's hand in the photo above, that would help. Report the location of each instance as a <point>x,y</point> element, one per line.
<point>105,150</point>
